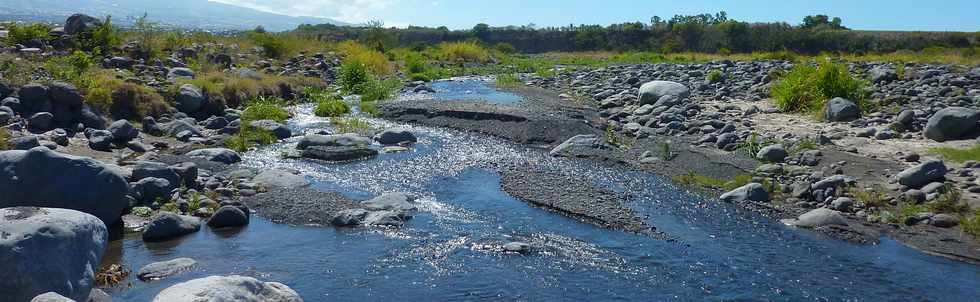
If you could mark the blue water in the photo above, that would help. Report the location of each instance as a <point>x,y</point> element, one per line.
<point>449,250</point>
<point>472,90</point>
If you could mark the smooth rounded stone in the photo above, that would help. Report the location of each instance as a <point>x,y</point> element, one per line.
<point>866,132</point>
<point>51,297</point>
<point>123,131</point>
<point>885,134</point>
<point>176,127</point>
<point>221,155</point>
<point>228,216</point>
<point>152,189</point>
<point>385,218</point>
<point>944,221</point>
<point>922,174</point>
<point>333,140</point>
<point>906,117</point>
<point>350,217</point>
<point>188,173</point>
<point>280,178</point>
<point>576,145</point>
<point>810,157</point>
<point>41,121</point>
<point>395,136</point>
<point>517,247</point>
<point>651,92</point>
<point>26,142</point>
<point>834,181</point>
<point>843,204</point>
<point>166,225</point>
<point>189,98</point>
<point>841,110</point>
<point>725,140</point>
<point>933,187</point>
<point>100,140</point>
<point>338,153</point>
<point>144,169</point>
<point>49,250</point>
<point>78,23</point>
<point>64,181</point>
<point>951,124</point>
<point>163,269</point>
<point>277,129</point>
<point>817,218</point>
<point>58,136</point>
<point>389,201</point>
<point>749,192</point>
<point>215,122</point>
<point>227,289</point>
<point>773,153</point>
<point>180,72</point>
<point>881,74</point>
<point>915,196</point>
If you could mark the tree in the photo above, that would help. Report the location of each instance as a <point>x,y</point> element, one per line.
<point>481,31</point>
<point>821,22</point>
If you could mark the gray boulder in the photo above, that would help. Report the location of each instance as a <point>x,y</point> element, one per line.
<point>61,181</point>
<point>146,169</point>
<point>841,110</point>
<point>24,142</point>
<point>228,216</point>
<point>221,155</point>
<point>951,124</point>
<point>152,189</point>
<point>943,221</point>
<point>51,297</point>
<point>176,127</point>
<point>230,288</point>
<point>818,218</point>
<point>843,204</point>
<point>49,250</point>
<point>189,98</point>
<point>517,247</point>
<point>385,218</point>
<point>338,154</point>
<point>395,136</point>
<point>389,201</point>
<point>773,153</point>
<point>577,145</point>
<point>277,129</point>
<point>351,217</point>
<point>163,269</point>
<point>882,74</point>
<point>78,23</point>
<point>344,140</point>
<point>277,178</point>
<point>100,140</point>
<point>123,131</point>
<point>922,174</point>
<point>168,225</point>
<point>651,92</point>
<point>41,121</point>
<point>750,192</point>
<point>180,73</point>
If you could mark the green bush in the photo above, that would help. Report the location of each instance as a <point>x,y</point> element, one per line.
<point>352,74</point>
<point>376,89</point>
<point>505,48</point>
<point>715,76</point>
<point>948,201</point>
<point>70,68</point>
<point>99,40</point>
<point>806,88</point>
<point>20,34</point>
<point>331,108</point>
<point>265,109</point>
<point>248,137</point>
<point>272,46</point>
<point>144,212</point>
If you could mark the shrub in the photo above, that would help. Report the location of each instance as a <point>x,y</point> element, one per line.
<point>376,90</point>
<point>248,136</point>
<point>463,51</point>
<point>715,76</point>
<point>144,212</point>
<point>948,201</point>
<point>806,88</point>
<point>272,46</point>
<point>418,69</point>
<point>373,61</point>
<point>907,210</point>
<point>69,68</point>
<point>352,74</point>
<point>265,108</point>
<point>753,145</point>
<point>99,40</point>
<point>132,101</point>
<point>21,34</point>
<point>350,125</point>
<point>15,70</point>
<point>505,48</point>
<point>331,108</point>
<point>874,197</point>
<point>369,108</point>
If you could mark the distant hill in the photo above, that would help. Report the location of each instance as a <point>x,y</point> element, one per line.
<point>200,14</point>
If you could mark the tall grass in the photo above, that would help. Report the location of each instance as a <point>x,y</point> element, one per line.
<point>373,60</point>
<point>958,155</point>
<point>463,52</point>
<point>265,108</point>
<point>508,80</point>
<point>807,88</point>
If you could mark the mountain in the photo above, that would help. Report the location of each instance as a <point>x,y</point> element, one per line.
<point>198,14</point>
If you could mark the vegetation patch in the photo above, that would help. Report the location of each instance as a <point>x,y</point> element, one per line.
<point>469,51</point>
<point>331,108</point>
<point>509,80</point>
<point>265,108</point>
<point>958,155</point>
<point>971,224</point>
<point>806,88</point>
<point>699,181</point>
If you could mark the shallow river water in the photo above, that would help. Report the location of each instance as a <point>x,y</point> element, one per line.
<point>449,250</point>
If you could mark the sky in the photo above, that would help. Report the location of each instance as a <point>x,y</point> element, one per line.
<point>935,15</point>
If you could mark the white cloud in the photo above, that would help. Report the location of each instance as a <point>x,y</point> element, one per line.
<point>351,11</point>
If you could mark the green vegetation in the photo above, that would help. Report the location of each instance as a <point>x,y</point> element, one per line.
<point>99,40</point>
<point>949,201</point>
<point>613,138</point>
<point>463,52</point>
<point>873,197</point>
<point>4,136</point>
<point>665,151</point>
<point>331,108</point>
<point>958,155</point>
<point>272,46</point>
<point>144,212</point>
<point>806,88</point>
<point>715,76</point>
<point>753,145</point>
<point>265,108</point>
<point>24,34</point>
<point>70,68</point>
<point>698,181</point>
<point>351,125</point>
<point>508,80</point>
<point>248,137</point>
<point>369,108</point>
<point>971,224</point>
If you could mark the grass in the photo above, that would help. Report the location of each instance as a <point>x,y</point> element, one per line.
<point>462,52</point>
<point>958,155</point>
<point>4,137</point>
<point>613,138</point>
<point>907,210</point>
<point>665,151</point>
<point>144,212</point>
<point>971,224</point>
<point>247,137</point>
<point>715,76</point>
<point>753,145</point>
<point>351,125</point>
<point>265,108</point>
<point>331,108</point>
<point>807,88</point>
<point>369,108</point>
<point>949,201</point>
<point>372,60</point>
<point>873,197</point>
<point>21,34</point>
<point>699,181</point>
<point>508,80</point>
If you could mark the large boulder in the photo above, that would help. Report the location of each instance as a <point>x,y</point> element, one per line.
<point>148,169</point>
<point>841,110</point>
<point>651,92</point>
<point>922,174</point>
<point>773,153</point>
<point>49,250</point>
<point>51,297</point>
<point>163,269</point>
<point>79,23</point>
<point>951,124</point>
<point>34,97</point>
<point>818,218</point>
<point>395,136</point>
<point>44,178</point>
<point>577,145</point>
<point>750,192</point>
<point>66,102</point>
<point>339,153</point>
<point>123,131</point>
<point>221,155</point>
<point>41,121</point>
<point>227,289</point>
<point>189,98</point>
<point>228,216</point>
<point>882,74</point>
<point>389,201</point>
<point>168,225</point>
<point>151,189</point>
<point>334,140</point>
<point>277,178</point>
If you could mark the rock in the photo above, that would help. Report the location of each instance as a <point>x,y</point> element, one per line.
<point>338,153</point>
<point>385,218</point>
<point>517,247</point>
<point>189,98</point>
<point>834,181</point>
<point>61,181</point>
<point>817,218</point>
<point>944,221</point>
<point>41,121</point>
<point>915,196</point>
<point>188,172</point>
<point>228,216</point>
<point>163,269</point>
<point>951,124</point>
<point>843,204</point>
<point>651,92</point>
<point>749,192</point>
<point>395,136</point>
<point>26,142</point>
<point>345,140</point>
<point>152,189</point>
<point>49,250</point>
<point>773,153</point>
<point>180,73</point>
<point>841,110</point>
<point>78,23</point>
<point>123,131</point>
<point>882,74</point>
<point>906,117</point>
<point>221,155</point>
<point>168,225</point>
<point>389,201</point>
<point>176,127</point>
<point>277,129</point>
<point>215,122</point>
<point>51,297</point>
<point>151,127</point>
<point>351,217</point>
<point>923,174</point>
<point>100,140</point>
<point>280,178</point>
<point>230,288</point>
<point>725,139</point>
<point>577,145</point>
<point>145,169</point>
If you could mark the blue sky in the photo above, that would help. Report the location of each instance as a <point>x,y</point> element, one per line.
<point>937,15</point>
